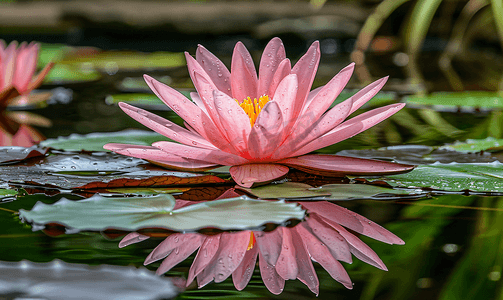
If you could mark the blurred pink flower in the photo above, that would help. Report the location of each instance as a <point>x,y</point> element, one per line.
<point>260,125</point>
<point>17,68</point>
<point>283,254</point>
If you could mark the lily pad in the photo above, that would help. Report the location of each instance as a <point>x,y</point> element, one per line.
<point>15,154</point>
<point>294,190</point>
<point>134,213</point>
<point>60,281</point>
<point>7,193</point>
<point>419,154</point>
<point>95,141</point>
<point>67,74</point>
<point>453,177</point>
<point>469,146</point>
<point>96,171</point>
<point>112,62</point>
<point>458,101</point>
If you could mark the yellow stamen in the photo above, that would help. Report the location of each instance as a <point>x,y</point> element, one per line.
<point>252,241</point>
<point>253,107</point>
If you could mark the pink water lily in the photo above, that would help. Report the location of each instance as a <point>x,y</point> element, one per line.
<point>17,68</point>
<point>283,254</point>
<point>260,125</point>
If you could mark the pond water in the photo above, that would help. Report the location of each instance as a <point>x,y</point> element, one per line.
<point>452,233</point>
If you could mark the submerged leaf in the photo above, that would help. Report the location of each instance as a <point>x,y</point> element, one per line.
<point>60,281</point>
<point>132,214</point>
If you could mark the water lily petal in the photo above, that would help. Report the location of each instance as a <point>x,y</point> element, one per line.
<point>359,249</point>
<point>338,166</point>
<point>165,127</point>
<point>243,74</point>
<point>351,220</point>
<point>351,128</point>
<point>365,94</point>
<point>283,70</point>
<point>132,238</point>
<point>204,256</point>
<point>6,95</point>
<point>215,69</point>
<point>310,127</point>
<point>234,120</point>
<point>229,256</point>
<point>171,242</point>
<point>286,266</point>
<point>207,155</point>
<point>269,244</point>
<point>35,83</point>
<point>320,253</point>
<point>244,271</point>
<point>180,253</point>
<point>270,276</point>
<point>273,55</point>
<point>8,65</point>
<point>285,96</point>
<point>198,101</point>
<point>190,112</point>
<point>312,94</point>
<point>26,63</point>
<point>155,155</point>
<point>326,96</point>
<point>247,175</point>
<point>307,274</point>
<point>267,132</point>
<point>337,245</point>
<point>306,69</point>
<point>26,136</point>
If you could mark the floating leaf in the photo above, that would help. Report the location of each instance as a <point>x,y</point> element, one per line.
<point>95,141</point>
<point>134,213</point>
<point>143,100</point>
<point>67,74</point>
<point>458,101</point>
<point>296,190</point>
<point>419,154</point>
<point>453,177</point>
<point>99,170</point>
<point>113,61</point>
<point>468,146</point>
<point>60,281</point>
<point>16,154</point>
<point>7,193</point>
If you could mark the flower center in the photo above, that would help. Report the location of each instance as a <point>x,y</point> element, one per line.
<point>253,107</point>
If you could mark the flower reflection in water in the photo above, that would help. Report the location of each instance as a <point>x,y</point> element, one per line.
<point>283,254</point>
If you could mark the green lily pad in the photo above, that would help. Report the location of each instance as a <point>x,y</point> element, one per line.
<point>470,145</point>
<point>134,213</point>
<point>453,177</point>
<point>454,101</point>
<point>6,193</point>
<point>295,190</point>
<point>112,62</point>
<point>95,141</point>
<point>66,74</point>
